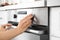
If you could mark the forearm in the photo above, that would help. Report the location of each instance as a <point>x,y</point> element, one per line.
<point>7,35</point>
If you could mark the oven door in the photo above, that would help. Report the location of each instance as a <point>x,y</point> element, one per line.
<point>27,36</point>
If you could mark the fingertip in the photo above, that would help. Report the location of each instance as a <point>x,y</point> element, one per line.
<point>9,24</point>
<point>30,15</point>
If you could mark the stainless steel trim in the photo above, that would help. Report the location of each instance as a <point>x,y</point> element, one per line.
<point>35,31</point>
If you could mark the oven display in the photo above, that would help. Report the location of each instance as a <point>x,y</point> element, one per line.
<point>22,12</point>
<point>21,15</point>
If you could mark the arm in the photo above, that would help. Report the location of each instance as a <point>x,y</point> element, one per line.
<point>22,26</point>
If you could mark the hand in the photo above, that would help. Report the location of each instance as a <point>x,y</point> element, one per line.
<point>25,23</point>
<point>22,26</point>
<point>3,27</point>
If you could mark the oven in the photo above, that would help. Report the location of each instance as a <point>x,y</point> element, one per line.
<point>39,28</point>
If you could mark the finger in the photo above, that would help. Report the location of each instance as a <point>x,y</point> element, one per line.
<point>21,24</point>
<point>28,25</point>
<point>27,22</point>
<point>8,25</point>
<point>25,28</point>
<point>27,18</point>
<point>24,25</point>
<point>24,21</point>
<point>2,28</point>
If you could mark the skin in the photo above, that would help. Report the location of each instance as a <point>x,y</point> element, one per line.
<point>22,26</point>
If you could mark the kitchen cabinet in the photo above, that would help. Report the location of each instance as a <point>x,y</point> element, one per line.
<point>26,1</point>
<point>54,38</point>
<point>27,4</point>
<point>2,1</point>
<point>53,2</point>
<point>2,8</point>
<point>13,2</point>
<point>55,21</point>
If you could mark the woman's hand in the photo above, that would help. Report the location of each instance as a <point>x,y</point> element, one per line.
<point>25,23</point>
<point>5,26</point>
